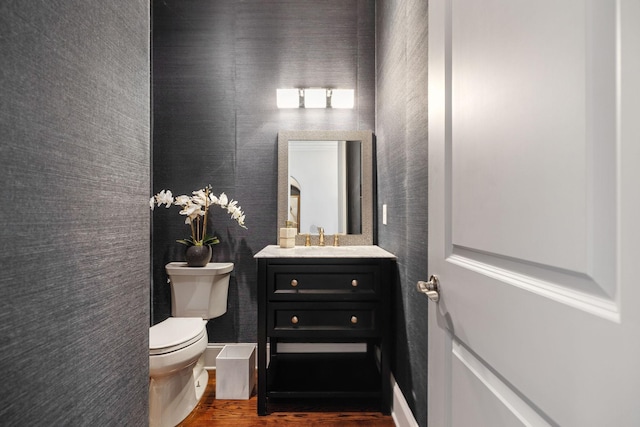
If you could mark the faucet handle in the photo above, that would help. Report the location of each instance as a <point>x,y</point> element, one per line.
<point>335,240</point>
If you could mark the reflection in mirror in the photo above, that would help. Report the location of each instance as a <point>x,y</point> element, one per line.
<point>325,186</point>
<point>294,202</point>
<point>325,180</point>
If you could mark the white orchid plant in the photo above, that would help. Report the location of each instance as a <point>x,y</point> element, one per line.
<point>195,208</point>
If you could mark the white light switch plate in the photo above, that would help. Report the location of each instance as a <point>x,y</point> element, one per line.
<point>384,214</point>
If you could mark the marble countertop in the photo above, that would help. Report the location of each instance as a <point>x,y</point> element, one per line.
<point>275,251</point>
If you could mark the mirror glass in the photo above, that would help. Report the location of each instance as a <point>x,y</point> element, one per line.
<point>325,186</point>
<point>325,180</point>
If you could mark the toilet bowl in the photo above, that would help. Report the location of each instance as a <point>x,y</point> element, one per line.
<point>177,378</point>
<point>176,369</point>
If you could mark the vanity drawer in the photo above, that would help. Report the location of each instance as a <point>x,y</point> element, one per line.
<point>323,282</point>
<point>336,319</point>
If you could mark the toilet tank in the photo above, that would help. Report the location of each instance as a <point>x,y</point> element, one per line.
<point>199,291</point>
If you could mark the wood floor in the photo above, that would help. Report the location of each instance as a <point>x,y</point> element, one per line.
<point>243,413</point>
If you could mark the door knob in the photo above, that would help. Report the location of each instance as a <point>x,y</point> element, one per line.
<point>430,288</point>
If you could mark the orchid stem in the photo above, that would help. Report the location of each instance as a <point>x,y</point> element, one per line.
<point>206,211</point>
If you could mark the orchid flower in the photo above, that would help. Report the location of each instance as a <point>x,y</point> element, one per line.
<point>200,198</point>
<point>195,208</point>
<point>192,210</point>
<point>182,200</point>
<point>164,197</point>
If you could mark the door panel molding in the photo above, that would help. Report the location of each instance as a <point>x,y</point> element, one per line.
<point>570,288</point>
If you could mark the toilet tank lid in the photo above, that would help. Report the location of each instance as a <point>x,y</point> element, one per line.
<point>213,268</point>
<point>174,331</point>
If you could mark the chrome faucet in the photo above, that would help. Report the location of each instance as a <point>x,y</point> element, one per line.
<point>321,233</point>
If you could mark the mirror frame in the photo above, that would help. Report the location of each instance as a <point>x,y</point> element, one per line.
<point>366,138</point>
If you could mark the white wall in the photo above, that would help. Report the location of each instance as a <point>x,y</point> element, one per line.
<point>315,165</point>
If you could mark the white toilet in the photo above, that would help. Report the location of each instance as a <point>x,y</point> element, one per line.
<point>177,378</point>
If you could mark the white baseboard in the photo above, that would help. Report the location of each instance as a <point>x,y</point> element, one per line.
<point>400,411</point>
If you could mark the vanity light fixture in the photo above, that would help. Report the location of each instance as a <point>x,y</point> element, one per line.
<point>288,98</point>
<point>315,98</point>
<point>341,98</point>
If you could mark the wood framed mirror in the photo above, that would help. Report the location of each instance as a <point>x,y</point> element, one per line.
<point>329,174</point>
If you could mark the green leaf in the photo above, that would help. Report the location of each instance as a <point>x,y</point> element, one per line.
<point>189,241</point>
<point>210,240</point>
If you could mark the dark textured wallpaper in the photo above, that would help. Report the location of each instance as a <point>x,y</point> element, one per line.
<point>74,161</point>
<point>401,131</point>
<point>216,66</point>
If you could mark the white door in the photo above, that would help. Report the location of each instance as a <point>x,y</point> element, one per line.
<point>534,213</point>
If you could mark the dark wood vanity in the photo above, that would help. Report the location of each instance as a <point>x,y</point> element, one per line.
<point>324,295</point>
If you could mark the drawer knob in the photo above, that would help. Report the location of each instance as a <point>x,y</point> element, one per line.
<point>354,283</point>
<point>294,319</point>
<point>354,319</point>
<point>294,283</point>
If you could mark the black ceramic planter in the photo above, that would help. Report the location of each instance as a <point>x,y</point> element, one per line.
<point>198,256</point>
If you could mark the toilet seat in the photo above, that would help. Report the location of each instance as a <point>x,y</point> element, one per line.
<point>175,333</point>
